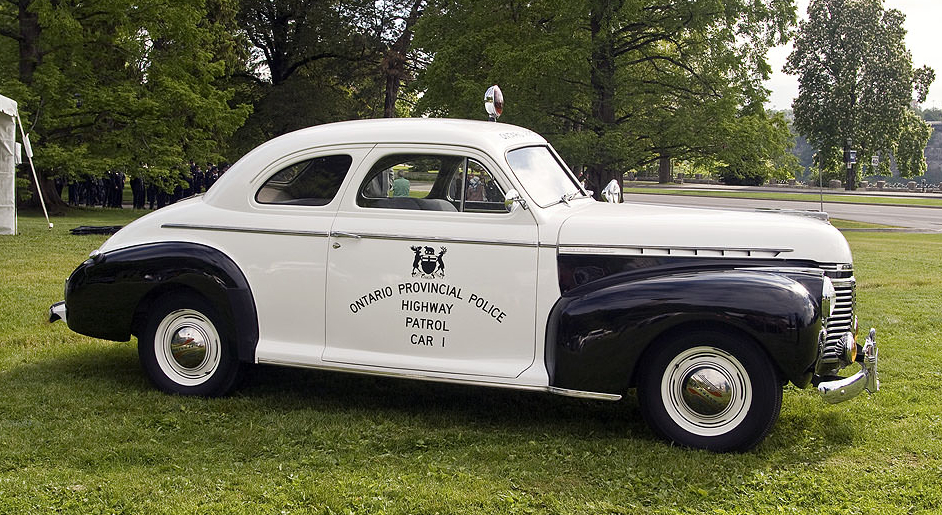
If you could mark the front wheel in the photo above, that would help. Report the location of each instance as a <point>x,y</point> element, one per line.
<point>185,350</point>
<point>710,390</point>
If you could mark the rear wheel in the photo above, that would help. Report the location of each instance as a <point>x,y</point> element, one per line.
<point>711,390</point>
<point>185,350</point>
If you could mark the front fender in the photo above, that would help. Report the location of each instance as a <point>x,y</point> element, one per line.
<point>596,336</point>
<point>104,293</point>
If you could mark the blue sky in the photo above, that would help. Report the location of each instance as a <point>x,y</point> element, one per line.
<point>923,38</point>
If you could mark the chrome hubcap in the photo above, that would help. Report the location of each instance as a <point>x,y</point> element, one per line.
<point>187,347</point>
<point>706,391</point>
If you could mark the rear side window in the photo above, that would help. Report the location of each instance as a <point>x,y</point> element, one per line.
<point>313,182</point>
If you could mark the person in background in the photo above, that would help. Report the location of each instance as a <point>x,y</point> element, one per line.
<point>475,189</point>
<point>400,186</point>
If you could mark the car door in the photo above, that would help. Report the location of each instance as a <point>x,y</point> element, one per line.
<point>442,280</point>
<point>282,246</point>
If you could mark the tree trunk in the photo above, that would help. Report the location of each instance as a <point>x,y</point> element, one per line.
<point>394,67</point>
<point>54,203</point>
<point>30,57</point>
<point>394,64</point>
<point>597,177</point>
<point>29,54</point>
<point>603,88</point>
<point>664,169</point>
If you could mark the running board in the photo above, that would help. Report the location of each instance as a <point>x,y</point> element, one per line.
<point>584,395</point>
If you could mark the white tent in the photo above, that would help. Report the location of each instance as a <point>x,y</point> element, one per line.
<point>7,165</point>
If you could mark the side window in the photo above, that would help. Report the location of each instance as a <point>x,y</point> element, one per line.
<point>313,182</point>
<point>431,183</point>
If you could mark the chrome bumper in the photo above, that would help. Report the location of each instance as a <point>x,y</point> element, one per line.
<point>57,312</point>
<point>844,389</point>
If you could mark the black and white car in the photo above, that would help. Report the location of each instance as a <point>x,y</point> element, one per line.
<point>502,271</point>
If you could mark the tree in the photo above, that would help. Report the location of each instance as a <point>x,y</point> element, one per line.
<point>614,84</point>
<point>856,84</point>
<point>117,84</point>
<point>303,69</point>
<point>320,61</point>
<point>389,26</point>
<point>933,114</point>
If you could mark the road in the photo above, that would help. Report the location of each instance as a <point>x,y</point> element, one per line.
<point>918,218</point>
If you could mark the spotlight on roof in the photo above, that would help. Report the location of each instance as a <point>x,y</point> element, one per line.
<point>494,102</point>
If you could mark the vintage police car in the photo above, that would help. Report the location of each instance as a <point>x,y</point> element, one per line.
<point>501,272</point>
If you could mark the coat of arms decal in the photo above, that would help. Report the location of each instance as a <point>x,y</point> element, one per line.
<point>427,263</point>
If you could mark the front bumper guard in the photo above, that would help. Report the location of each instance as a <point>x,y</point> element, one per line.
<point>57,311</point>
<point>841,390</point>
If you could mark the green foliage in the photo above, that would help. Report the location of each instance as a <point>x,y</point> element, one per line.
<point>856,83</point>
<point>614,85</point>
<point>22,190</point>
<point>772,159</point>
<point>933,114</point>
<point>302,67</point>
<point>321,61</point>
<point>910,150</point>
<point>121,85</point>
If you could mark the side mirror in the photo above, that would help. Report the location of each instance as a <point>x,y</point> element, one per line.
<point>611,192</point>
<point>513,197</point>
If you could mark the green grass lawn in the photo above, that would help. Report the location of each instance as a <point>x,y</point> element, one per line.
<point>807,197</point>
<point>853,224</point>
<point>82,430</point>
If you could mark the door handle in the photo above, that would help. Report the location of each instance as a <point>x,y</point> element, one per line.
<point>341,234</point>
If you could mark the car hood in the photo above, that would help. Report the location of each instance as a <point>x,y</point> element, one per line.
<point>604,228</point>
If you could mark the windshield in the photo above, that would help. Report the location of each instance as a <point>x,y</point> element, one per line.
<point>542,175</point>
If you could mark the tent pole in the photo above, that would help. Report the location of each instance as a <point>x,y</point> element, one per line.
<point>29,155</point>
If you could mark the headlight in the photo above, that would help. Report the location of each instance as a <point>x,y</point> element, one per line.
<point>848,348</point>
<point>828,294</point>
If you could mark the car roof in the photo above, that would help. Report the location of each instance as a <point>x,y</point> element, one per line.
<point>492,138</point>
<point>412,130</point>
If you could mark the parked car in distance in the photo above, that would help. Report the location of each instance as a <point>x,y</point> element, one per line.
<point>501,271</point>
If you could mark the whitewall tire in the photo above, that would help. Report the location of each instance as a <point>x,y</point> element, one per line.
<point>184,350</point>
<point>711,390</point>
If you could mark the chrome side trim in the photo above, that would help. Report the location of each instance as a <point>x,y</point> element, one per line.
<point>584,395</point>
<point>400,375</point>
<point>254,230</point>
<point>661,249</point>
<point>322,234</point>
<point>439,239</point>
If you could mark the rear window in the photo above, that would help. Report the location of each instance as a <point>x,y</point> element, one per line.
<point>313,182</point>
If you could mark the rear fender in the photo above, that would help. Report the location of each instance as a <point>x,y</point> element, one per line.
<point>108,295</point>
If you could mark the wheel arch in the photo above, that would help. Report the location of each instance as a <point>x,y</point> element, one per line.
<point>146,303</point>
<point>109,297</point>
<point>702,325</point>
<point>597,339</point>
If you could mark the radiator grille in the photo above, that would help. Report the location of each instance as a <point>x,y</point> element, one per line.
<point>842,276</point>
